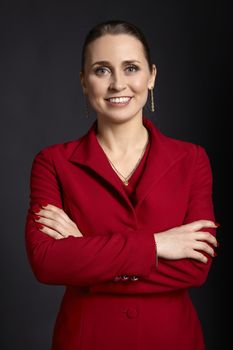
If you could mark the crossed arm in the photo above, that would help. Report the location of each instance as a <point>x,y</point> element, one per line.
<point>60,254</point>
<point>185,241</point>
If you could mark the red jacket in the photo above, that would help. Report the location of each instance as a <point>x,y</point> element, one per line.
<point>99,312</point>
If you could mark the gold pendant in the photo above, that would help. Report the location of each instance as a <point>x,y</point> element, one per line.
<point>126,182</point>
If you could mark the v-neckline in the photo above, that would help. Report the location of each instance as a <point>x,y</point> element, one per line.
<point>164,154</point>
<point>135,170</point>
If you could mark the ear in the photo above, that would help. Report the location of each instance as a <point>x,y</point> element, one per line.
<point>82,80</point>
<point>151,82</point>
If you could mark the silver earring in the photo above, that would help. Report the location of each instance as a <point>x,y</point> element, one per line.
<point>152,102</point>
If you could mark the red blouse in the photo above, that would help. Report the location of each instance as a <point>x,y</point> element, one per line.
<point>136,176</point>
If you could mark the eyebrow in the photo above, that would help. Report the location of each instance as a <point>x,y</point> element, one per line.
<point>108,63</point>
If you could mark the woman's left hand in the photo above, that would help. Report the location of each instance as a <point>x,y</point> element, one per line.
<point>54,222</point>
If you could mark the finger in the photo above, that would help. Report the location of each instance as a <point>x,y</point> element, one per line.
<point>50,207</point>
<point>206,236</point>
<point>54,209</point>
<point>58,215</point>
<point>204,247</point>
<point>60,212</point>
<point>199,224</point>
<point>53,215</point>
<point>54,225</point>
<point>64,230</point>
<point>50,232</point>
<point>198,256</point>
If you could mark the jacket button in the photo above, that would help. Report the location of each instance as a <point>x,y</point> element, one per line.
<point>124,277</point>
<point>134,278</point>
<point>131,312</point>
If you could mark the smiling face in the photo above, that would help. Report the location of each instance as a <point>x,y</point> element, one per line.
<point>117,77</point>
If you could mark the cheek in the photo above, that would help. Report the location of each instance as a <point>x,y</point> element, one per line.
<point>96,87</point>
<point>140,85</point>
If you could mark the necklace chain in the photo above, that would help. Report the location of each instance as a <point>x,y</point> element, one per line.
<point>126,178</point>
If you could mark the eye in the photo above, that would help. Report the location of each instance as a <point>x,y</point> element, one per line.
<point>101,70</point>
<point>132,68</point>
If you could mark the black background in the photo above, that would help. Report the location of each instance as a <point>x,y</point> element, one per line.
<point>42,104</point>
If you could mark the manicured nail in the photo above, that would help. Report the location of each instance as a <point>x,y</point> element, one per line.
<point>217,224</point>
<point>39,226</point>
<point>36,209</point>
<point>215,254</point>
<point>36,217</point>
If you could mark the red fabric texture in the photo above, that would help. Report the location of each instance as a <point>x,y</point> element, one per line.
<point>96,312</point>
<point>137,174</point>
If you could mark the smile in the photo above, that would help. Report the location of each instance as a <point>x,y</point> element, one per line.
<point>121,101</point>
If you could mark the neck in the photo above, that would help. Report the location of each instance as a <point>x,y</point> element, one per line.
<point>122,138</point>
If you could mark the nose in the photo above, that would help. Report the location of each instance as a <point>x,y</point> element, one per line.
<point>117,82</point>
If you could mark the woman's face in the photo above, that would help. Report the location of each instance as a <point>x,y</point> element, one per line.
<point>116,77</point>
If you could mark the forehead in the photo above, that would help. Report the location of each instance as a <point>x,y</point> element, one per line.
<point>114,48</point>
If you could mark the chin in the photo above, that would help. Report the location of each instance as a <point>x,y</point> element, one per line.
<point>120,118</point>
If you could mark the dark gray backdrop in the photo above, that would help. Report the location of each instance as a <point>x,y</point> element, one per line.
<point>42,104</point>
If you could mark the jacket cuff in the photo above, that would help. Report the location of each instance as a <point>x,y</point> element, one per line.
<point>142,255</point>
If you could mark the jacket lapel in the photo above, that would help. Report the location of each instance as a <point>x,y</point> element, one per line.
<point>90,154</point>
<point>163,154</point>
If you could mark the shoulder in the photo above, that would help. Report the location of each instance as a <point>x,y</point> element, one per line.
<point>196,155</point>
<point>58,150</point>
<point>65,149</point>
<point>171,145</point>
<point>175,145</point>
<point>192,154</point>
<point>194,159</point>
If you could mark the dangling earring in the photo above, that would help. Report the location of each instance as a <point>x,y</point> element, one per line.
<point>86,107</point>
<point>152,102</point>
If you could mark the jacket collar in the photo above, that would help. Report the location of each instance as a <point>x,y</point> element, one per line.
<point>163,154</point>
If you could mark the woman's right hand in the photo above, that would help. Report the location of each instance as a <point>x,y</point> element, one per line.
<point>187,241</point>
<point>54,222</point>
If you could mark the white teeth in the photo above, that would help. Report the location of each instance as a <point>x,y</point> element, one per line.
<point>119,99</point>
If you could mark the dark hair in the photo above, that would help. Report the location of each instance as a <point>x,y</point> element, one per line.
<point>115,27</point>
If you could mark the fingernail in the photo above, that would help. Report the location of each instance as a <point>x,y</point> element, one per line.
<point>215,254</point>
<point>217,224</point>
<point>39,226</point>
<point>44,204</point>
<point>36,209</point>
<point>36,217</point>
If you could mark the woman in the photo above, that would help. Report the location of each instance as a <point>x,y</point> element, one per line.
<point>123,216</point>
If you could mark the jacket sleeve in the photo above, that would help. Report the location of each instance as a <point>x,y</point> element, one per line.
<point>79,260</point>
<point>172,275</point>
